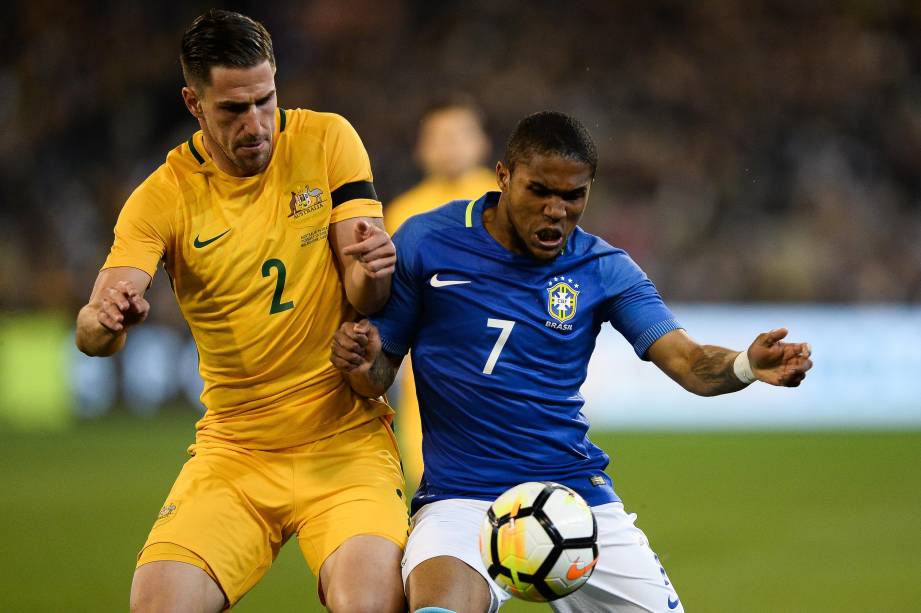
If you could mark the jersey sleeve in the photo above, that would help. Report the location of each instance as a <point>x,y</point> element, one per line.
<point>634,307</point>
<point>143,227</point>
<point>398,320</point>
<point>349,168</point>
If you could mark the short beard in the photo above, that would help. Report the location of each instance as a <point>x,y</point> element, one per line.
<point>245,169</point>
<point>253,167</point>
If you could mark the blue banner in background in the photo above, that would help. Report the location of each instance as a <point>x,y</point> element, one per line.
<point>866,373</point>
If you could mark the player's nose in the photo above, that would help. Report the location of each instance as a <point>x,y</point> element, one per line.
<point>555,208</point>
<point>250,119</point>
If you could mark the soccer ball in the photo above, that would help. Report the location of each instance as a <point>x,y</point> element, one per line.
<point>538,541</point>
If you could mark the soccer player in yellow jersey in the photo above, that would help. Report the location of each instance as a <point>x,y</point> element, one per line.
<point>451,148</point>
<point>268,226</point>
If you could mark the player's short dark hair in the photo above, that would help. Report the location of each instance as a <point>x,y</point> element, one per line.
<point>223,38</point>
<point>550,133</point>
<point>455,100</point>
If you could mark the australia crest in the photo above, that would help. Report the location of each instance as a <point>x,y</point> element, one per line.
<point>305,200</point>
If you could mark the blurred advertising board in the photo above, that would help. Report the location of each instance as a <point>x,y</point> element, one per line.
<point>866,373</point>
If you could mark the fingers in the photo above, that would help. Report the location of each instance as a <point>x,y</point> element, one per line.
<point>349,344</point>
<point>112,308</point>
<point>794,372</point>
<point>134,296</point>
<point>371,239</point>
<point>770,338</point>
<point>110,317</point>
<point>362,230</point>
<point>791,371</point>
<point>376,253</point>
<point>121,306</point>
<point>381,267</point>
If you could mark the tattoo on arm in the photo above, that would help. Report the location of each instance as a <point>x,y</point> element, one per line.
<point>712,366</point>
<point>383,371</point>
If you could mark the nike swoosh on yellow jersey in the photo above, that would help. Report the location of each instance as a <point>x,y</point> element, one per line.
<point>199,244</point>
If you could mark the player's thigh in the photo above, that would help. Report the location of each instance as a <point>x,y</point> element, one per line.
<point>178,587</point>
<point>628,577</point>
<point>351,485</point>
<point>448,529</point>
<point>218,517</point>
<point>363,575</point>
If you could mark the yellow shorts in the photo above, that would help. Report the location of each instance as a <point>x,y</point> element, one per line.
<point>231,509</point>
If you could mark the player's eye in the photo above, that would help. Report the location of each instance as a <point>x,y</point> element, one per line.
<point>236,109</point>
<point>574,195</point>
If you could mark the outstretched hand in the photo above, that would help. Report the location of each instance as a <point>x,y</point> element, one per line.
<point>355,346</point>
<point>778,363</point>
<point>373,249</point>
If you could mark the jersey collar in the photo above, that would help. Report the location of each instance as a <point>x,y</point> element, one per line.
<point>473,218</point>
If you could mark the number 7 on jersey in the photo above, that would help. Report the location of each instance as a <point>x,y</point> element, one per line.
<point>506,326</point>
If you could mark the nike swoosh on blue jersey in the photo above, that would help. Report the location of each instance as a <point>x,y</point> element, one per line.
<point>436,282</point>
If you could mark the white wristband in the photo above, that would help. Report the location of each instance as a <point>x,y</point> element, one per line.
<point>743,369</point>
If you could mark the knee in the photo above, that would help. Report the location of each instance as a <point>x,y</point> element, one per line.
<point>174,587</point>
<point>365,601</point>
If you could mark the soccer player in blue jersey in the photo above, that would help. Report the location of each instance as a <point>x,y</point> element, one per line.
<point>500,301</point>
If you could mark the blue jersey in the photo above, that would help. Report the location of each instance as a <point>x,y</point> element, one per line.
<point>500,345</point>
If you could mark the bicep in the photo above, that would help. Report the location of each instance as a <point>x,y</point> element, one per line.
<point>109,277</point>
<point>673,354</point>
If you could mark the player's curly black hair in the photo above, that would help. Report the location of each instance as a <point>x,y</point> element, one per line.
<point>550,133</point>
<point>223,38</point>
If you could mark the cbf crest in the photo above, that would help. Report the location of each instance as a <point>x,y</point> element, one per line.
<point>562,299</point>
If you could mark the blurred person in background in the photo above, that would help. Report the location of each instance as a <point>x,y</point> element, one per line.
<point>268,225</point>
<point>451,148</point>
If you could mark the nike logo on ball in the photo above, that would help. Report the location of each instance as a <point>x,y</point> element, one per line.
<point>575,572</point>
<point>672,604</point>
<point>436,282</point>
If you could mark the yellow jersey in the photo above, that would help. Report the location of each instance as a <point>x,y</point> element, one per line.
<point>255,277</point>
<point>433,192</point>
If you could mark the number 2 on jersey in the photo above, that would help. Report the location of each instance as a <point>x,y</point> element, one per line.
<point>277,305</point>
<point>506,326</point>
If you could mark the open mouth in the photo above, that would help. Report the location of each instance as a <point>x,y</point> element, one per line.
<point>549,238</point>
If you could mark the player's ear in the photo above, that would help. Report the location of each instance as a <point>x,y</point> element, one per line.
<point>503,176</point>
<point>192,101</point>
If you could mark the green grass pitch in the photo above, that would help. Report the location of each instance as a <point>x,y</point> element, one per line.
<point>766,522</point>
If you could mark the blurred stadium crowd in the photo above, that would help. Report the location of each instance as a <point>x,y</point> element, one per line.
<point>749,151</point>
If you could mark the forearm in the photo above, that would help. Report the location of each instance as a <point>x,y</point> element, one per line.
<point>377,379</point>
<point>93,338</point>
<point>711,372</point>
<point>366,293</point>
